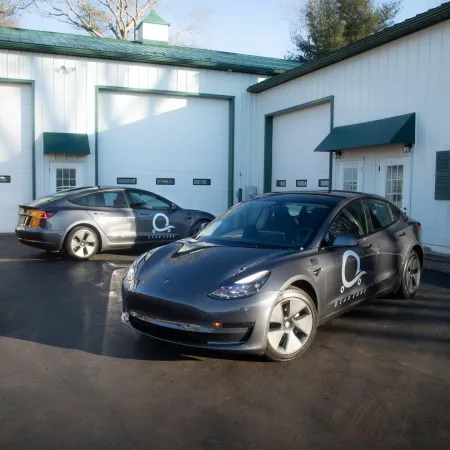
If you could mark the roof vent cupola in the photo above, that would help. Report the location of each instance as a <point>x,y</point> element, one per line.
<point>154,29</point>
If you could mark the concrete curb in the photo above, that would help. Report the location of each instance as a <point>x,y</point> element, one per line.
<point>437,261</point>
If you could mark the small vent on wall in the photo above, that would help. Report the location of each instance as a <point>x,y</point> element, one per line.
<point>442,180</point>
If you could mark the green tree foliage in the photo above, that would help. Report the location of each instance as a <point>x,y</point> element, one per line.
<point>322,26</point>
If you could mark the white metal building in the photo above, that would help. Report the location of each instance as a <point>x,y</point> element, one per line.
<point>370,117</point>
<point>379,108</point>
<point>78,110</point>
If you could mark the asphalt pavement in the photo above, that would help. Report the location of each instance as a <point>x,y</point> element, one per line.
<point>72,376</point>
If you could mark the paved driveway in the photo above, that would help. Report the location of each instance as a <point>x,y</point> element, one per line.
<point>72,376</point>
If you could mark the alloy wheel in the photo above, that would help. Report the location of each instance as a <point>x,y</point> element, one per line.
<point>83,243</point>
<point>412,274</point>
<point>291,325</point>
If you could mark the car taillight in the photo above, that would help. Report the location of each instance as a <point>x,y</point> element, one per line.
<point>37,216</point>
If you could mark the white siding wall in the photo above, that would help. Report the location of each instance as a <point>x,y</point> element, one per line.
<point>409,75</point>
<point>66,103</point>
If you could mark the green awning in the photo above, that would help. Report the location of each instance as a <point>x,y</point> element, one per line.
<point>394,130</point>
<point>66,143</point>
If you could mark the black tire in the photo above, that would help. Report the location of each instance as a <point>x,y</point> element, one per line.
<point>279,354</point>
<point>88,240</point>
<point>411,273</point>
<point>198,226</point>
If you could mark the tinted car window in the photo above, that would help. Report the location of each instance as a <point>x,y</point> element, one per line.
<point>351,220</point>
<point>380,214</point>
<point>82,201</point>
<point>141,200</point>
<point>110,199</point>
<point>267,223</point>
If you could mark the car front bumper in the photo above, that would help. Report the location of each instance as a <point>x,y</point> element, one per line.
<point>39,238</point>
<point>199,321</point>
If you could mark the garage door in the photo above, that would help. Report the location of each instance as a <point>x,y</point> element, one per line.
<point>295,166</point>
<point>15,152</point>
<point>174,146</point>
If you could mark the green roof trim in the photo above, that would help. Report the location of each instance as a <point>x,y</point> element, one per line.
<point>393,130</point>
<point>154,17</point>
<point>417,23</point>
<point>66,143</point>
<point>119,50</point>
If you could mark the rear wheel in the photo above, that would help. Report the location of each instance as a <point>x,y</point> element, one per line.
<point>410,276</point>
<point>292,327</point>
<point>82,243</point>
<point>198,227</point>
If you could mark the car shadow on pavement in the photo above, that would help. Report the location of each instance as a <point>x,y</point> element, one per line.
<point>47,299</point>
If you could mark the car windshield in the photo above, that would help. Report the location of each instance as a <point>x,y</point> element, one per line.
<point>268,223</point>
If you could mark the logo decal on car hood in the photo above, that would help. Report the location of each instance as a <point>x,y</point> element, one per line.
<point>358,275</point>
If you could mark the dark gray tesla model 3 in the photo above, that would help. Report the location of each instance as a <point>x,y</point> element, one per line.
<point>262,276</point>
<point>84,221</point>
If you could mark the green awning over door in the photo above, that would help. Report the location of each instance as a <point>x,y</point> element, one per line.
<point>66,143</point>
<point>393,130</point>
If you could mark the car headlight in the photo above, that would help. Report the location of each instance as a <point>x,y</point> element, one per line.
<point>246,287</point>
<point>130,280</point>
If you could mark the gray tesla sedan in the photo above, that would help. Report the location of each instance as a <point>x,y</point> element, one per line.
<point>84,221</point>
<point>262,276</point>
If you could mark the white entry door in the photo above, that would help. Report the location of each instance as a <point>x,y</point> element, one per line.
<point>65,176</point>
<point>394,181</point>
<point>350,176</point>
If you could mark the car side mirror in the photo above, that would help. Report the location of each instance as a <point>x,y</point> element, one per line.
<point>173,207</point>
<point>345,240</point>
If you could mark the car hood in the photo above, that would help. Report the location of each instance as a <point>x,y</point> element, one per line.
<point>193,266</point>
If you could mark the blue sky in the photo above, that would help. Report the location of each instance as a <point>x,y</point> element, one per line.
<point>258,27</point>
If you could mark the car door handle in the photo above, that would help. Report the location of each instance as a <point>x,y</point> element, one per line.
<point>368,246</point>
<point>402,234</point>
<point>145,214</point>
<point>99,213</point>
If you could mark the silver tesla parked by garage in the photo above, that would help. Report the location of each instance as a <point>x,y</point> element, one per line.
<point>81,222</point>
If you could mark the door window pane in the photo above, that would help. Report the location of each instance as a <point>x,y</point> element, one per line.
<point>110,199</point>
<point>65,179</point>
<point>350,179</point>
<point>351,220</point>
<point>141,200</point>
<point>380,214</point>
<point>394,185</point>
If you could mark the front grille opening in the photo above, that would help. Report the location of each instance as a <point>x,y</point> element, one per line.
<point>189,337</point>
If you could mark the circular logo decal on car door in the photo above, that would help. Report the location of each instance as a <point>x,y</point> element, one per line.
<point>167,226</point>
<point>358,275</point>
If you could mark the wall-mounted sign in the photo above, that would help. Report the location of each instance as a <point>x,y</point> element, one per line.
<point>324,183</point>
<point>281,183</point>
<point>5,179</point>
<point>165,181</point>
<point>301,183</point>
<point>125,180</point>
<point>202,182</point>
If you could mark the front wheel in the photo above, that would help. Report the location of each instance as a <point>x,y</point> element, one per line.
<point>410,277</point>
<point>292,326</point>
<point>82,243</point>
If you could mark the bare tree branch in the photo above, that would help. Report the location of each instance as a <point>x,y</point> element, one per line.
<point>10,11</point>
<point>117,18</point>
<point>200,17</point>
